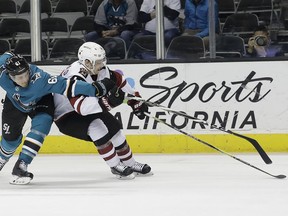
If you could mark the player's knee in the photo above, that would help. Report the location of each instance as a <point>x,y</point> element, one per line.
<point>42,123</point>
<point>102,141</point>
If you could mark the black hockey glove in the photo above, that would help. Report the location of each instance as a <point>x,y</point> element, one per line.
<point>103,86</point>
<point>138,107</point>
<point>113,99</point>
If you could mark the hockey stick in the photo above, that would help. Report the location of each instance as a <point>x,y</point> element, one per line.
<point>256,145</point>
<point>213,147</point>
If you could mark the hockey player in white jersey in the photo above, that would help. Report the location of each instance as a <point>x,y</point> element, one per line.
<point>88,118</point>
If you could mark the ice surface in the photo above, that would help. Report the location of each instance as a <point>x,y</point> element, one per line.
<point>182,185</point>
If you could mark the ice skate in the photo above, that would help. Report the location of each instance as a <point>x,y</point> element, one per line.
<point>20,175</point>
<point>123,172</point>
<point>141,169</point>
<point>2,162</point>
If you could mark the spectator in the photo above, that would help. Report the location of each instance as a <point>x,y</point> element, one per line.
<point>115,18</point>
<point>196,20</point>
<point>260,45</point>
<point>147,16</point>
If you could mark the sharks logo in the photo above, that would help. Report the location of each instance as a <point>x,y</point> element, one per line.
<point>27,107</point>
<point>35,77</point>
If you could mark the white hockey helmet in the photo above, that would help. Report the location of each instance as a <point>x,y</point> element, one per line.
<point>93,52</point>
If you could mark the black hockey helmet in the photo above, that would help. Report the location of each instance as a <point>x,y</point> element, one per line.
<point>16,65</point>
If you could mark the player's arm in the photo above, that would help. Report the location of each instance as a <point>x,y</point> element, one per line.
<point>121,82</point>
<point>138,107</point>
<point>78,87</point>
<point>68,87</point>
<point>90,105</point>
<point>85,105</point>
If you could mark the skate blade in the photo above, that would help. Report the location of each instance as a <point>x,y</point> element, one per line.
<point>129,177</point>
<point>16,180</point>
<point>143,175</point>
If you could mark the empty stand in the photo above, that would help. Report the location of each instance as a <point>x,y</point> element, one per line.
<point>226,8</point>
<point>14,28</point>
<point>19,2</point>
<point>229,46</point>
<point>142,47</point>
<point>4,46</point>
<point>25,12</point>
<point>23,47</point>
<point>8,9</point>
<point>66,49</point>
<point>242,24</point>
<point>82,26</point>
<point>53,28</point>
<point>45,5</point>
<point>115,47</point>
<point>71,10</point>
<point>186,48</point>
<point>263,9</point>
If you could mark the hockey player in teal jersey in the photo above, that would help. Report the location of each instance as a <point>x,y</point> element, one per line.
<point>29,94</point>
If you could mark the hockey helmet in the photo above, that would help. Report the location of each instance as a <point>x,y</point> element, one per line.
<point>93,52</point>
<point>16,65</point>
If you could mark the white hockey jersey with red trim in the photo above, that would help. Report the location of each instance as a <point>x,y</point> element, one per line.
<point>86,105</point>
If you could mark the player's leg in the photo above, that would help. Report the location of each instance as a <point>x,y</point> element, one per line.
<point>99,133</point>
<point>125,154</point>
<point>121,146</point>
<point>91,128</point>
<point>41,121</point>
<point>40,127</point>
<point>13,121</point>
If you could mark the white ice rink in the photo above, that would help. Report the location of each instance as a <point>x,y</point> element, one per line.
<point>182,185</point>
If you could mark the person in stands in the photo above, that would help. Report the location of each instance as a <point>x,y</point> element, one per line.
<point>115,18</point>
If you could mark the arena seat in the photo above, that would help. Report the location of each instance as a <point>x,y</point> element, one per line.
<point>8,9</point>
<point>142,47</point>
<point>240,24</point>
<point>53,28</point>
<point>115,47</point>
<point>229,46</point>
<point>71,10</point>
<point>23,47</point>
<point>82,26</point>
<point>4,46</point>
<point>186,47</point>
<point>14,28</point>
<point>66,49</point>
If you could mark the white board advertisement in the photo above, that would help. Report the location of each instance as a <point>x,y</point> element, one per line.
<point>247,97</point>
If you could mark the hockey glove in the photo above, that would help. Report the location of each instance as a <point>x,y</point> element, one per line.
<point>103,86</point>
<point>113,99</point>
<point>138,107</point>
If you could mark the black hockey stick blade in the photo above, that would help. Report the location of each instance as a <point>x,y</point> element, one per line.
<point>256,145</point>
<point>281,176</point>
<point>254,142</point>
